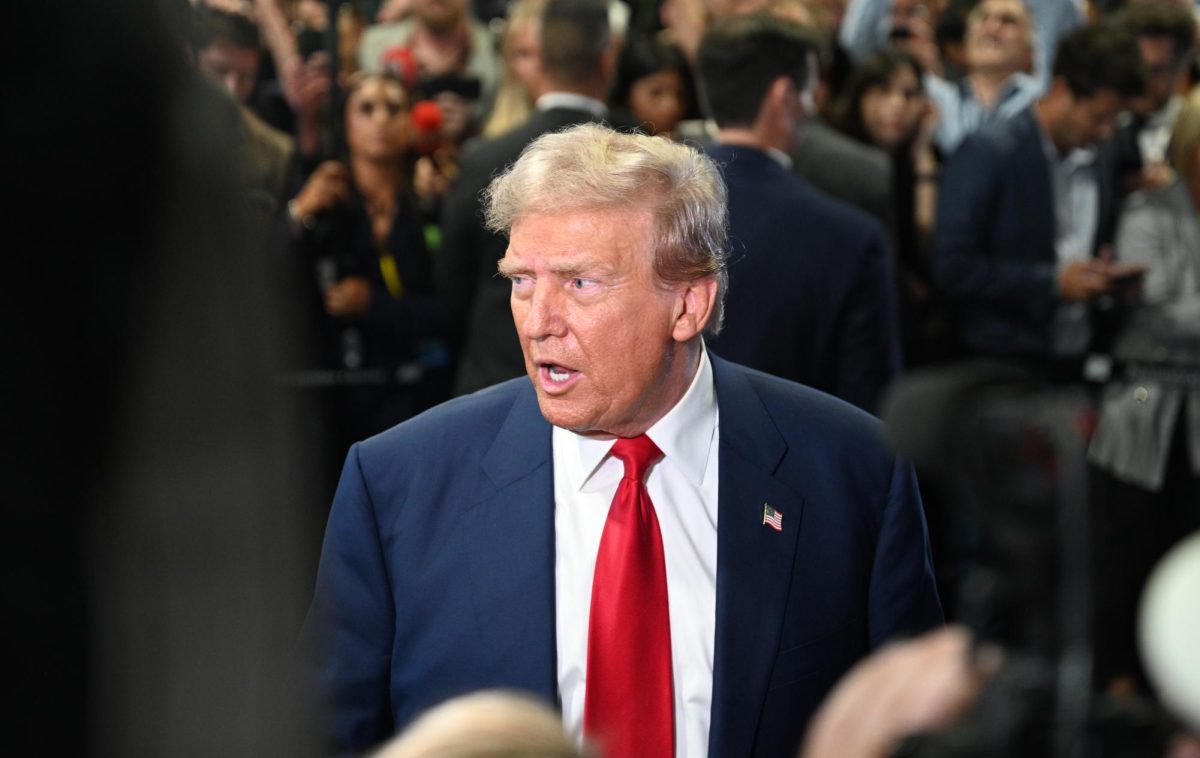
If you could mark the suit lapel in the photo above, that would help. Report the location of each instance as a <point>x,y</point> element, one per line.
<point>511,554</point>
<point>754,562</point>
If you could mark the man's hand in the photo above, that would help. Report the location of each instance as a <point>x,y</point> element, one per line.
<point>393,10</point>
<point>1083,279</point>
<point>349,297</point>
<point>327,186</point>
<point>918,685</point>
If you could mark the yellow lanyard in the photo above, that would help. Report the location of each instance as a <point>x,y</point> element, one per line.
<point>391,274</point>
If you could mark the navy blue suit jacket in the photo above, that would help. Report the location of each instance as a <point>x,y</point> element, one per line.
<point>437,573</point>
<point>811,294</point>
<point>994,254</point>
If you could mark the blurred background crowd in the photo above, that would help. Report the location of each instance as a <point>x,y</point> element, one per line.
<point>1036,194</point>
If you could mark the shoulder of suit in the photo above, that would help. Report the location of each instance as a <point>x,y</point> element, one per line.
<point>837,214</point>
<point>816,140</point>
<point>800,409</point>
<point>260,132</point>
<point>451,426</point>
<point>496,152</point>
<point>1007,135</point>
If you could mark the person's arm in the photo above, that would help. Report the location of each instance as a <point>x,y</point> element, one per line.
<point>915,686</point>
<point>277,36</point>
<point>351,624</point>
<point>864,27</point>
<point>868,354</point>
<point>903,598</point>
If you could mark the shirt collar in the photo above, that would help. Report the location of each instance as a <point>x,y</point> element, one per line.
<point>774,153</point>
<point>683,435</point>
<point>573,101</point>
<point>780,157</point>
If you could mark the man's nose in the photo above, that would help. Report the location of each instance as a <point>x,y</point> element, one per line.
<point>544,313</point>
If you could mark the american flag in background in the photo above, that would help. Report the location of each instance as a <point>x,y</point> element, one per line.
<point>772,518</point>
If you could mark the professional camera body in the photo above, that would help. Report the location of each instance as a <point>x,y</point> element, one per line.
<point>1006,450</point>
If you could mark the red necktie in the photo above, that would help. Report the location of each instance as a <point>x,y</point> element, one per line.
<point>628,708</point>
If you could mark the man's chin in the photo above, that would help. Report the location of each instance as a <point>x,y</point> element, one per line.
<point>560,412</point>
<point>568,415</point>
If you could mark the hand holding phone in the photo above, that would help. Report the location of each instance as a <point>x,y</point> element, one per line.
<point>1125,274</point>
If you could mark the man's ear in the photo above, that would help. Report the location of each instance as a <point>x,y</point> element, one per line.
<point>1060,86</point>
<point>781,90</point>
<point>608,64</point>
<point>778,101</point>
<point>695,306</point>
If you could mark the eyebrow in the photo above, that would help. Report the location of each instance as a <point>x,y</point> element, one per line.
<point>506,267</point>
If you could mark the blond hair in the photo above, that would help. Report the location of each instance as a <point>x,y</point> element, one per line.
<point>488,724</point>
<point>592,167</point>
<point>514,103</point>
<point>1185,137</point>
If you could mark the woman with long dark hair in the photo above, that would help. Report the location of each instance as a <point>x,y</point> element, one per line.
<point>358,232</point>
<point>884,105</point>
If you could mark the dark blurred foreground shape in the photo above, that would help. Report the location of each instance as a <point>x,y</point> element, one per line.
<point>156,542</point>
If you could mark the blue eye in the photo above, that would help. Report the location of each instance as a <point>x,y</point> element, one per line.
<point>520,282</point>
<point>582,284</point>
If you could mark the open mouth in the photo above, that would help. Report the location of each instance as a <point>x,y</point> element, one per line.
<point>556,376</point>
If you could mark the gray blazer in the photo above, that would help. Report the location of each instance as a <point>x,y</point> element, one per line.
<point>1138,413</point>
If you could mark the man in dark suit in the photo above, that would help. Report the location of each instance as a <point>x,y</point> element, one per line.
<point>577,62</point>
<point>843,168</point>
<point>813,292</point>
<point>479,545</point>
<point>1026,211</point>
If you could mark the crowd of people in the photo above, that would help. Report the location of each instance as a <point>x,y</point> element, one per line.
<point>908,184</point>
<point>970,263</point>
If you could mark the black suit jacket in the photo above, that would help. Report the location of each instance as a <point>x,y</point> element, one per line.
<point>466,266</point>
<point>812,294</point>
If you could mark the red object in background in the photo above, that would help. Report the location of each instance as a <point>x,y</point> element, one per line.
<point>427,118</point>
<point>400,63</point>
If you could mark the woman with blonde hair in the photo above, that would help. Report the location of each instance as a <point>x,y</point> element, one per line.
<point>520,82</point>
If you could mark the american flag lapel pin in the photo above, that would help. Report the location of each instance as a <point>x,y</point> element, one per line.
<point>772,518</point>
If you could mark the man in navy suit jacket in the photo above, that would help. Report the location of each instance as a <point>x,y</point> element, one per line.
<point>813,295</point>
<point>1027,205</point>
<point>461,544</point>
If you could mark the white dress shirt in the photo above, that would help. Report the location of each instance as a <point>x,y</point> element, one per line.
<point>683,488</point>
<point>1077,215</point>
<point>571,100</point>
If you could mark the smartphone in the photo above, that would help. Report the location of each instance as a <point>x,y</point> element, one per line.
<point>1127,277</point>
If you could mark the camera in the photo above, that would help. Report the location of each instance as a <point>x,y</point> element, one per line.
<point>1008,449</point>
